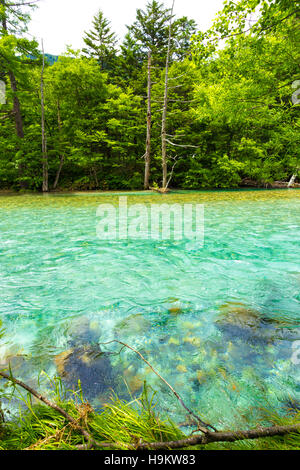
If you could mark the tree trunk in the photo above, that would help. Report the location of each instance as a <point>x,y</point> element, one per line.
<point>16,106</point>
<point>163,130</point>
<point>293,178</point>
<point>165,108</point>
<point>62,157</point>
<point>148,140</point>
<point>44,140</point>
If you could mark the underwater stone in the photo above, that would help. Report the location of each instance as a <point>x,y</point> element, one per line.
<point>133,379</point>
<point>193,340</point>
<point>14,362</point>
<point>238,321</point>
<point>174,341</point>
<point>174,306</point>
<point>135,383</point>
<point>83,331</point>
<point>89,365</point>
<point>135,324</point>
<point>188,325</point>
<point>238,314</point>
<point>175,310</point>
<point>60,360</point>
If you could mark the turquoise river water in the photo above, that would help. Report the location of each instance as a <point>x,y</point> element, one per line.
<point>219,321</point>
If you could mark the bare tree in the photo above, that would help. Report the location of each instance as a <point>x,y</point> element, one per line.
<point>148,140</point>
<point>293,178</point>
<point>165,109</point>
<point>44,139</point>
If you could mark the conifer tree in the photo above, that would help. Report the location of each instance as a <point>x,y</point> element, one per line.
<point>101,42</point>
<point>150,29</point>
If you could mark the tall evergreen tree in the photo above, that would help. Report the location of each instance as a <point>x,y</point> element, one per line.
<point>183,29</point>
<point>150,29</point>
<point>101,42</point>
<point>130,62</point>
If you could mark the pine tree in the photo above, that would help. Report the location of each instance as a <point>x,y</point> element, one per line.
<point>182,31</point>
<point>150,29</point>
<point>101,42</point>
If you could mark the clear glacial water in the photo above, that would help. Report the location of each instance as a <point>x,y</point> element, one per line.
<point>218,322</point>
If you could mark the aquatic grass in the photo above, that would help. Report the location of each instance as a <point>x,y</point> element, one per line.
<point>133,422</point>
<point>124,424</point>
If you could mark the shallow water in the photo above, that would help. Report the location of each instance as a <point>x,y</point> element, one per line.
<point>218,321</point>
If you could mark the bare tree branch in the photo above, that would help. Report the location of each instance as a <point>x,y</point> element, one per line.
<point>183,146</point>
<point>223,436</point>
<point>202,423</point>
<point>57,408</point>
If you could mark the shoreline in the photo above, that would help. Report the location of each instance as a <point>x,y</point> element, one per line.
<point>10,192</point>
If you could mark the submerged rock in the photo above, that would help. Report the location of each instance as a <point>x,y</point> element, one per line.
<point>15,363</point>
<point>133,325</point>
<point>238,320</point>
<point>175,308</point>
<point>85,362</point>
<point>238,314</point>
<point>89,365</point>
<point>83,331</point>
<point>134,380</point>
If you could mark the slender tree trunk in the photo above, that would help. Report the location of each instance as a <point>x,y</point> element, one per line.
<point>148,140</point>
<point>16,106</point>
<point>95,177</point>
<point>62,157</point>
<point>293,178</point>
<point>44,140</point>
<point>61,164</point>
<point>165,109</point>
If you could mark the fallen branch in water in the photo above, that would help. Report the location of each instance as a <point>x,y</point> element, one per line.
<point>202,426</point>
<point>222,436</point>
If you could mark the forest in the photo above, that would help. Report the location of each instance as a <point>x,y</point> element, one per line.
<point>168,106</point>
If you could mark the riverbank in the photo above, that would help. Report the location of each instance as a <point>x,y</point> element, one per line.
<point>245,187</point>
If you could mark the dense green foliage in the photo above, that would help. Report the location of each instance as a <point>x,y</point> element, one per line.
<point>230,111</point>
